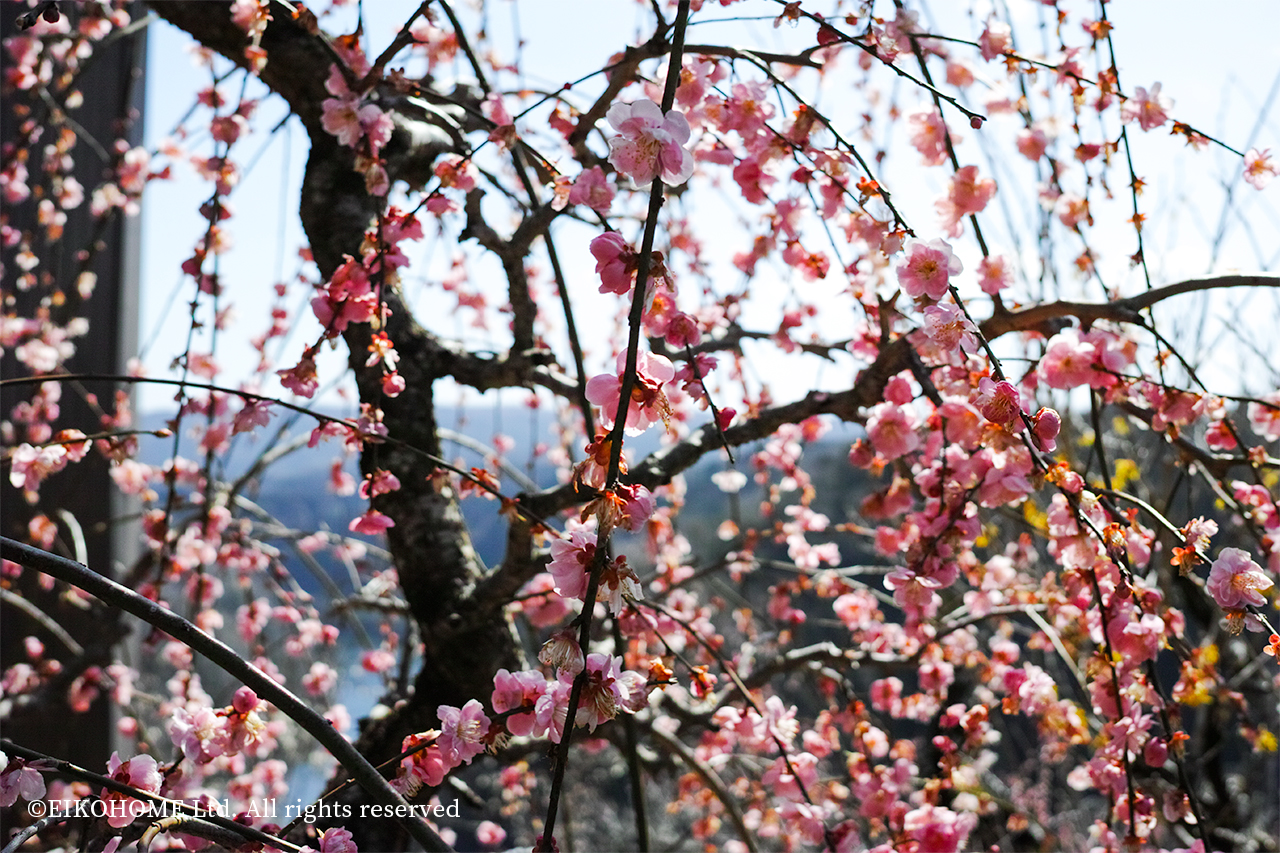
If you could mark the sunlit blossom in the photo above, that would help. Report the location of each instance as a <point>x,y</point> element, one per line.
<point>1235,580</point>
<point>649,145</point>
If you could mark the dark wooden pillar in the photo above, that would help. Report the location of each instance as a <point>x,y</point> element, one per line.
<point>112,86</point>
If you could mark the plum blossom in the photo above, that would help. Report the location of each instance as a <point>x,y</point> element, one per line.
<point>618,580</point>
<point>1264,416</point>
<point>462,731</point>
<point>1068,361</point>
<point>198,733</point>
<point>19,779</point>
<point>999,402</point>
<point>1150,108</point>
<point>947,327</point>
<point>427,766</point>
<point>301,379</point>
<point>1032,142</point>
<point>571,561</point>
<point>616,262</point>
<point>928,268</point>
<point>254,413</point>
<point>344,117</point>
<point>540,605</point>
<point>370,523</point>
<point>938,829</point>
<point>320,679</point>
<point>892,430</point>
<point>490,834</point>
<point>1072,209</point>
<point>552,710</point>
<point>140,772</point>
<point>929,135</point>
<point>996,40</point>
<point>609,690</point>
<point>648,403</point>
<point>337,840</point>
<point>30,465</point>
<point>562,652</point>
<point>650,145</point>
<point>593,189</point>
<point>1259,168</point>
<point>514,690</point>
<point>1236,580</point>
<point>967,194</point>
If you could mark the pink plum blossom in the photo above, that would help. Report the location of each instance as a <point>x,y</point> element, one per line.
<point>1068,361</point>
<point>648,403</point>
<point>343,116</point>
<point>378,660</point>
<point>1072,209</point>
<point>514,690</point>
<point>1236,580</point>
<point>426,766</point>
<point>140,772</point>
<point>967,194</point>
<point>301,379</point>
<point>571,561</point>
<point>552,711</point>
<point>649,145</point>
<point>540,605</point>
<point>929,136</point>
<point>1032,143</point>
<point>198,733</point>
<point>927,269</point>
<point>562,653</point>
<point>948,328</point>
<point>1259,168</point>
<point>490,834</point>
<point>996,40</point>
<point>938,829</point>
<point>371,523</point>
<point>615,262</point>
<point>609,690</point>
<point>892,430</point>
<point>1264,416</point>
<point>462,731</point>
<point>1150,108</point>
<point>19,779</point>
<point>593,189</point>
<point>337,840</point>
<point>999,402</point>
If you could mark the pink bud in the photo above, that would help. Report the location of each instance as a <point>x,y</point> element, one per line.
<point>1047,424</point>
<point>1155,752</point>
<point>861,455</point>
<point>244,701</point>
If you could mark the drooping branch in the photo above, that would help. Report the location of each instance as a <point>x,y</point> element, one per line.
<point>228,831</point>
<point>115,595</point>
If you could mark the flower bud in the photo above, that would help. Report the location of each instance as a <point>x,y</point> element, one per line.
<point>1046,424</point>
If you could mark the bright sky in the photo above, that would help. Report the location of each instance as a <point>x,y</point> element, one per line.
<point>1222,71</point>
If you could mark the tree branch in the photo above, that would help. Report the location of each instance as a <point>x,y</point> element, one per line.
<point>1128,310</point>
<point>115,595</point>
